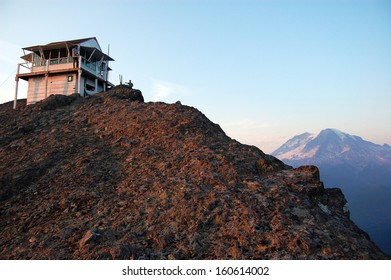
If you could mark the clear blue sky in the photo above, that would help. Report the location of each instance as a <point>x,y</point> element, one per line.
<point>264,70</point>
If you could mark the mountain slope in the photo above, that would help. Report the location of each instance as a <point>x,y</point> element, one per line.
<point>106,178</point>
<point>360,168</point>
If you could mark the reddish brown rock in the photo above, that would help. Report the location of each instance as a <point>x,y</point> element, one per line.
<point>107,178</point>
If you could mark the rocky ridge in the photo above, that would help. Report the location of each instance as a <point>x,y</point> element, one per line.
<point>108,177</point>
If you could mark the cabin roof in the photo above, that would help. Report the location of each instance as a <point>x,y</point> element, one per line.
<point>59,44</point>
<point>68,44</point>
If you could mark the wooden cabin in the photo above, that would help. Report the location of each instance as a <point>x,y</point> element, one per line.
<point>67,67</point>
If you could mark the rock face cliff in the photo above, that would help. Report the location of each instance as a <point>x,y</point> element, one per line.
<point>107,178</point>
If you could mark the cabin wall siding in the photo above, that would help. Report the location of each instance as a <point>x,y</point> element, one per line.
<point>36,89</point>
<point>59,84</point>
<point>82,83</point>
<point>56,84</point>
<point>91,44</point>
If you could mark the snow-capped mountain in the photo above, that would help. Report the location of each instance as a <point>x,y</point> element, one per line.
<point>360,168</point>
<point>334,147</point>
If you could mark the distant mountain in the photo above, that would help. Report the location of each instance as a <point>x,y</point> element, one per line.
<point>334,147</point>
<point>360,168</point>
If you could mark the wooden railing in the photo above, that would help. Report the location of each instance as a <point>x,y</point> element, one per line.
<point>92,67</point>
<point>59,63</point>
<point>53,61</point>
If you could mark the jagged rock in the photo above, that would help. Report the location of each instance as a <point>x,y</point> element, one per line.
<point>55,101</point>
<point>100,178</point>
<point>91,235</point>
<point>125,92</point>
<point>122,252</point>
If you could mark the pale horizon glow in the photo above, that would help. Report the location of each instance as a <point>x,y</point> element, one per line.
<point>264,70</point>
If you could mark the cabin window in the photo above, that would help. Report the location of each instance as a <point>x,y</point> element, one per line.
<point>90,88</point>
<point>46,54</point>
<point>63,52</point>
<point>37,61</point>
<point>70,78</point>
<point>82,52</point>
<point>54,53</point>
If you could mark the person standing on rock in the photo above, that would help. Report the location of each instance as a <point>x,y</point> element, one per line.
<point>130,84</point>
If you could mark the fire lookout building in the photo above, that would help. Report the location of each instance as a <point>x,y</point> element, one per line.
<point>67,67</point>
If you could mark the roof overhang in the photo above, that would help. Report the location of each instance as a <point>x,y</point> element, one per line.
<point>98,53</point>
<point>60,44</point>
<point>28,57</point>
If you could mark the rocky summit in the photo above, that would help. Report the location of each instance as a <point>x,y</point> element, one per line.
<point>112,177</point>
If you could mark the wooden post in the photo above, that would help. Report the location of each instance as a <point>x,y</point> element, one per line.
<point>16,86</point>
<point>47,75</point>
<point>46,84</point>
<point>79,82</point>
